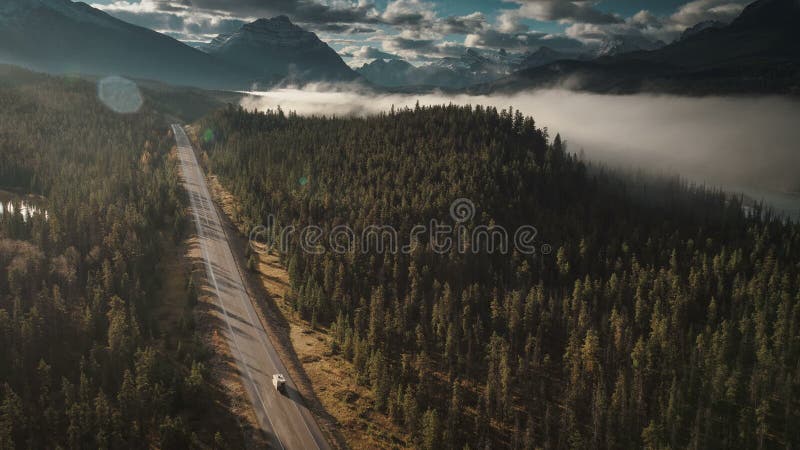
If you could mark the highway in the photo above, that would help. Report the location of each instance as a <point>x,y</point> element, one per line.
<point>282,416</point>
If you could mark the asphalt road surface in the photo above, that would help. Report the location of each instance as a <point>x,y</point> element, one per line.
<point>283,416</point>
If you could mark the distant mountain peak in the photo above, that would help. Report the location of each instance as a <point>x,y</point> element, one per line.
<point>277,48</point>
<point>380,62</point>
<point>543,56</point>
<point>279,29</point>
<point>768,13</point>
<point>470,67</point>
<point>618,44</point>
<point>275,23</point>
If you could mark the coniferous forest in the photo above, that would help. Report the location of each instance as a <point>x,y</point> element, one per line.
<point>247,224</point>
<point>664,317</point>
<point>82,364</point>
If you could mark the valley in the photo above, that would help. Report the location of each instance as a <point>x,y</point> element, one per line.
<point>402,224</point>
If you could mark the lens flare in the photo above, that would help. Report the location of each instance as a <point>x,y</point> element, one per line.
<point>120,95</point>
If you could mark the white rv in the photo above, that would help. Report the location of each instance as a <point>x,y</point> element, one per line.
<point>279,381</point>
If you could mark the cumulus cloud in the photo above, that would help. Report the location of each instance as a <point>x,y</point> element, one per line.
<point>582,11</point>
<point>174,18</point>
<point>306,11</point>
<point>702,10</point>
<point>408,13</point>
<point>462,24</point>
<point>665,28</point>
<point>360,55</point>
<point>509,21</point>
<point>413,29</point>
<point>527,41</point>
<point>365,52</point>
<point>590,25</point>
<point>341,28</point>
<point>422,50</point>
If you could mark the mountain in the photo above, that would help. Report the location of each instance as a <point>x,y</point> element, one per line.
<point>391,73</point>
<point>59,36</point>
<point>543,57</point>
<point>397,73</point>
<point>619,44</point>
<point>456,72</point>
<point>477,66</point>
<point>700,27</point>
<point>759,52</point>
<point>277,49</point>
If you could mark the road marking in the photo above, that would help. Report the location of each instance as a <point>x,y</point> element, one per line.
<point>269,355</point>
<point>210,271</point>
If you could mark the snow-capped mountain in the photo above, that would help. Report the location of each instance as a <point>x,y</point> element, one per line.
<point>391,73</point>
<point>544,56</point>
<point>277,49</point>
<point>479,66</point>
<point>619,44</point>
<point>472,67</point>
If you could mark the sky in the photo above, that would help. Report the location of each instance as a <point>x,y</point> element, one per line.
<point>424,30</point>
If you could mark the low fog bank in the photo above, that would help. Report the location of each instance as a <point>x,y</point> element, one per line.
<point>733,142</point>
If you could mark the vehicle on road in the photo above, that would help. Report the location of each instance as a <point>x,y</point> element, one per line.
<point>279,381</point>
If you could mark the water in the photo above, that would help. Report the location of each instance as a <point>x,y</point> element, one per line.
<point>27,205</point>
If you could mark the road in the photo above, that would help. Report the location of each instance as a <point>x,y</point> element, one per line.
<point>282,416</point>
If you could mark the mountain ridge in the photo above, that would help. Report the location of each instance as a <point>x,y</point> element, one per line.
<point>73,37</point>
<point>61,36</point>
<point>759,52</point>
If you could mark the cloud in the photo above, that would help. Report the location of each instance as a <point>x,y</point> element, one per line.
<point>410,49</point>
<point>417,19</point>
<point>411,13</point>
<point>414,30</point>
<point>358,55</point>
<point>341,28</point>
<point>564,11</point>
<point>511,33</point>
<point>305,11</point>
<point>527,41</point>
<point>462,24</point>
<point>365,53</point>
<point>665,28</point>
<point>714,144</point>
<point>422,50</point>
<point>509,21</point>
<point>410,18</point>
<point>702,10</point>
<point>175,19</point>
